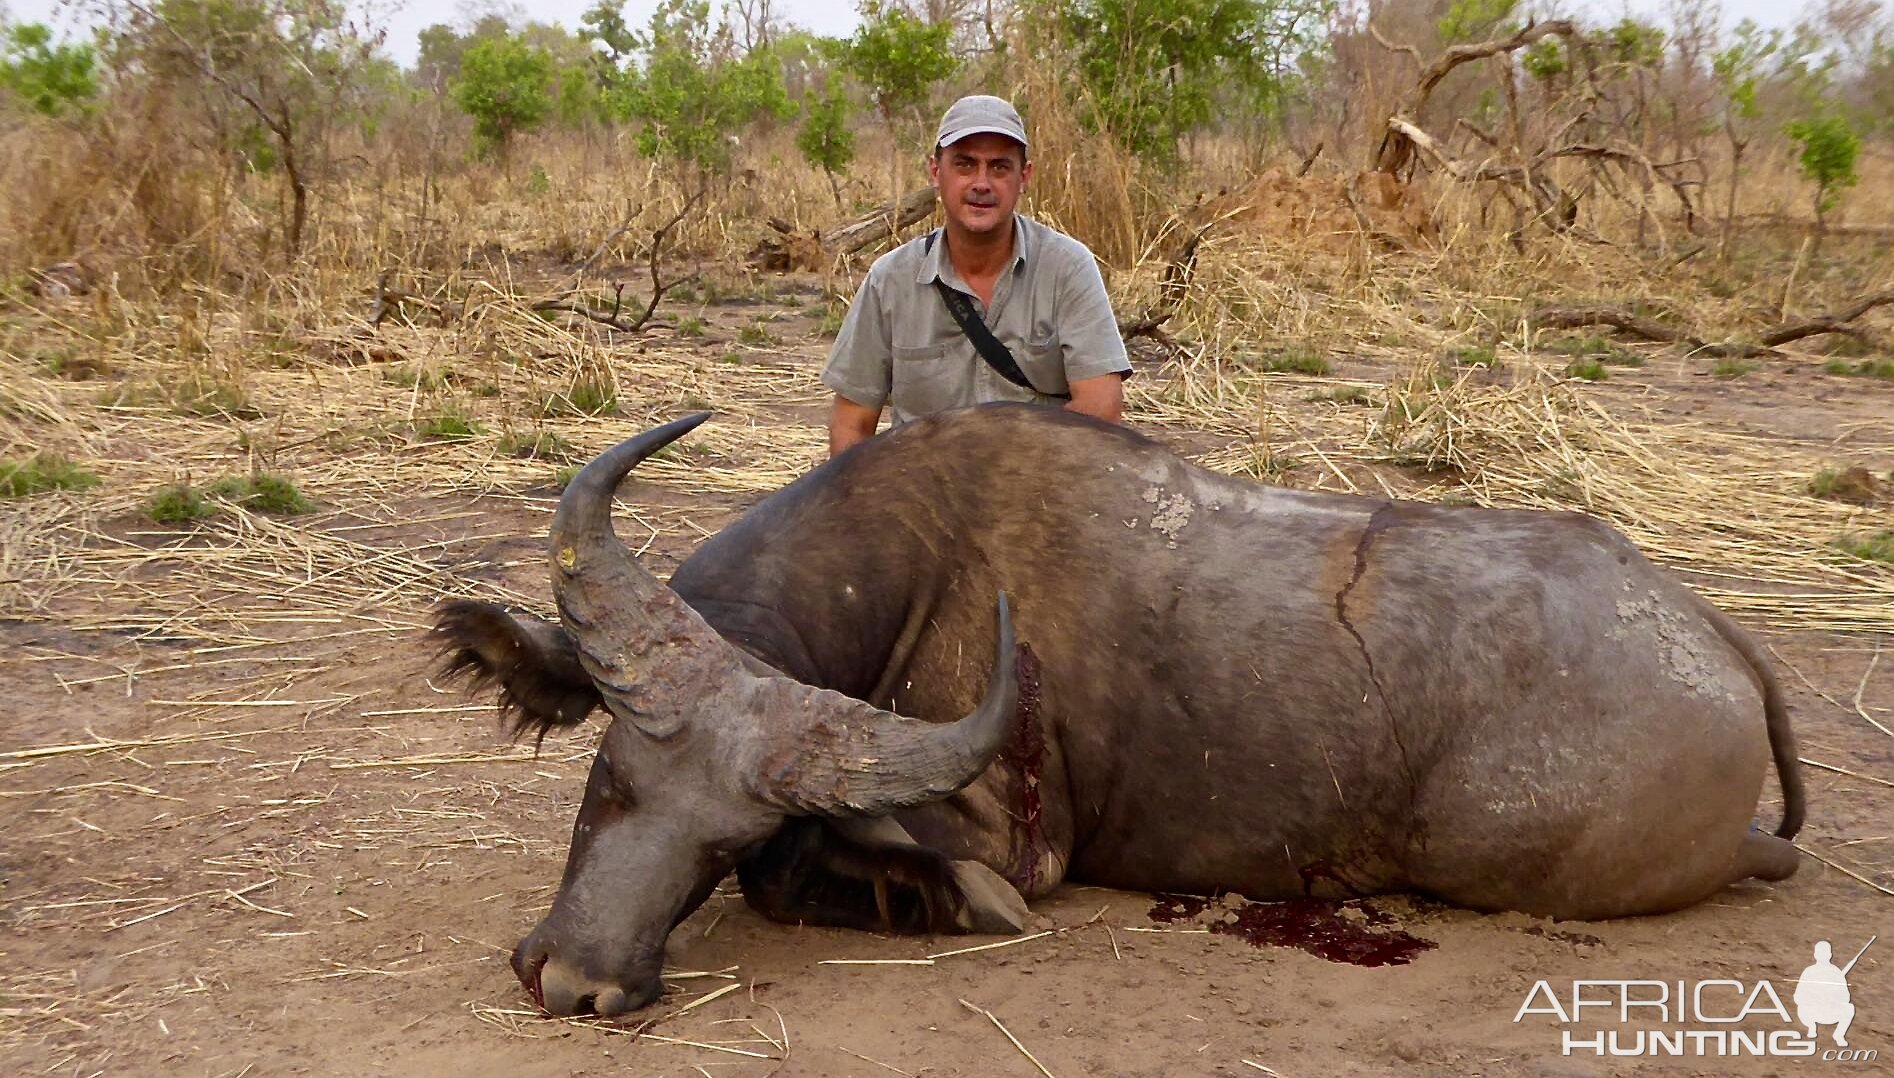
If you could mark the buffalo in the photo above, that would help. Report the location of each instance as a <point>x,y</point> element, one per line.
<point>1216,685</point>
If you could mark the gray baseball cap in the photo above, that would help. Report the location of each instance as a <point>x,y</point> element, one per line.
<point>980,114</point>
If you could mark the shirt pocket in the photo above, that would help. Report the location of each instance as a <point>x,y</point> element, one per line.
<point>925,381</point>
<point>1043,361</point>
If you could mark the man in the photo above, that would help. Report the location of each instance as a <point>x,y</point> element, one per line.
<point>1037,291</point>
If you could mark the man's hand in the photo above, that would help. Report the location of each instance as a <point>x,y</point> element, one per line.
<point>850,423</point>
<point>1102,397</point>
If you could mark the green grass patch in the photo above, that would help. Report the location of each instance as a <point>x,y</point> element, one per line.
<point>1854,485</point>
<point>539,445</point>
<point>74,366</point>
<point>1731,367</point>
<point>416,377</point>
<point>180,504</point>
<point>448,425</point>
<point>1867,368</point>
<point>564,476</point>
<point>40,473</point>
<point>1475,356</point>
<point>1343,395</point>
<point>831,323</point>
<point>129,395</point>
<point>1875,546</point>
<point>1296,359</point>
<point>210,397</point>
<point>691,327</point>
<point>1593,346</point>
<point>731,357</point>
<point>1591,370</point>
<point>263,492</point>
<point>586,395</point>
<point>754,334</point>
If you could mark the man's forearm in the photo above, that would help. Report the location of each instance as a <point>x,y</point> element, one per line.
<point>850,423</point>
<point>1102,397</point>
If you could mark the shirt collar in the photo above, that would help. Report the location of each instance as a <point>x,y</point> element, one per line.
<point>935,264</point>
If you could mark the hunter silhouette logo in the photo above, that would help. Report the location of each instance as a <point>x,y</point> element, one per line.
<point>1719,1017</point>
<point>1821,996</point>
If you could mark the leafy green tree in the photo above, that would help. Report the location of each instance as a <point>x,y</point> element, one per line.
<point>1474,20</point>
<point>1737,70</point>
<point>684,85</point>
<point>442,47</point>
<point>899,60</point>
<point>1630,41</point>
<point>505,84</point>
<point>1152,71</point>
<point>50,79</point>
<point>1829,150</point>
<point>294,67</point>
<point>824,139</point>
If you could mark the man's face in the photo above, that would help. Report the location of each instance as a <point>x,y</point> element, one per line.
<point>980,179</point>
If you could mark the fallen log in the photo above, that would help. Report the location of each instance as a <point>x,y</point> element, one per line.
<point>1649,329</point>
<point>1835,322</point>
<point>790,250</point>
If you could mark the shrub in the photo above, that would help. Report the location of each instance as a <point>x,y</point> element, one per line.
<point>264,492</point>
<point>42,472</point>
<point>1829,149</point>
<point>1876,546</point>
<point>180,504</point>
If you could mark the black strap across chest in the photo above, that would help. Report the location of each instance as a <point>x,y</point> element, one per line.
<point>996,355</point>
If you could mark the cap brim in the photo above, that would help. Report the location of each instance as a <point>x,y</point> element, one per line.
<point>957,134</point>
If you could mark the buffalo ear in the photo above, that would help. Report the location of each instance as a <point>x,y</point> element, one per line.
<point>533,662</point>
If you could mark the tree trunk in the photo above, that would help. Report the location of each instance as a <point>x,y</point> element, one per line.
<point>298,189</point>
<point>1729,210</point>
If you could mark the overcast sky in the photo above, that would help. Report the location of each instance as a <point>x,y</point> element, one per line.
<point>834,17</point>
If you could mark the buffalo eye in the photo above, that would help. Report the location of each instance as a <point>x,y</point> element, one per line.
<point>616,786</point>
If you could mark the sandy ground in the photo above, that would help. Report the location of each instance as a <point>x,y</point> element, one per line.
<point>321,870</point>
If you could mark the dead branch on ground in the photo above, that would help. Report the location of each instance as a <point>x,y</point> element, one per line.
<point>1835,322</point>
<point>563,300</point>
<point>790,250</point>
<point>1172,288</point>
<point>390,300</point>
<point>1651,329</point>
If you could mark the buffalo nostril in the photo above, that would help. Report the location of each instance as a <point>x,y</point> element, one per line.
<point>610,1003</point>
<point>583,1005</point>
<point>528,970</point>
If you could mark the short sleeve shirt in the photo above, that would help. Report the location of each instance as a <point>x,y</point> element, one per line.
<point>899,346</point>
